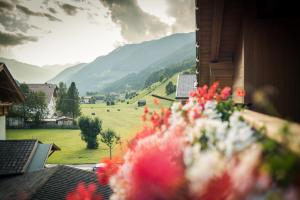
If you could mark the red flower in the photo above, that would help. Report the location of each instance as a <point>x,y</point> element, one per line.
<point>146,110</point>
<point>156,101</point>
<point>218,189</point>
<point>83,192</point>
<point>110,167</point>
<point>240,92</point>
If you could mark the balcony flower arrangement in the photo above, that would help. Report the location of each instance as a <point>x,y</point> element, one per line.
<point>202,150</point>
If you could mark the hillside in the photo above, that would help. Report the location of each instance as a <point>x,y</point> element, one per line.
<point>131,59</point>
<point>27,73</point>
<point>58,68</point>
<point>67,73</point>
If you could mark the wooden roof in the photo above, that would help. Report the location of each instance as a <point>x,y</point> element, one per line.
<point>49,184</point>
<point>9,89</point>
<point>17,156</point>
<point>217,34</point>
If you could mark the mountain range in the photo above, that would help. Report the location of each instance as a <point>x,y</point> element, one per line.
<point>125,67</point>
<point>129,62</point>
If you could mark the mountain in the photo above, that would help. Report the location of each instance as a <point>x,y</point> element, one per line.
<point>27,73</point>
<point>58,68</point>
<point>131,59</point>
<point>67,73</point>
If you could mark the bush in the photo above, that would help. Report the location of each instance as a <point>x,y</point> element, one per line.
<point>170,88</point>
<point>90,129</point>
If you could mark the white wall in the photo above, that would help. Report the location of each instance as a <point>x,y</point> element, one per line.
<point>2,128</point>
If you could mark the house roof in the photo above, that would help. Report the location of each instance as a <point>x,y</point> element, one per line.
<point>48,89</point>
<point>62,118</point>
<point>20,156</point>
<point>9,89</point>
<point>52,183</point>
<point>185,84</point>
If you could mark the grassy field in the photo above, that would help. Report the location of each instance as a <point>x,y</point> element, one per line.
<point>123,118</point>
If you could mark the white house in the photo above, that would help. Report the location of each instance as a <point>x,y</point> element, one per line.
<point>50,92</point>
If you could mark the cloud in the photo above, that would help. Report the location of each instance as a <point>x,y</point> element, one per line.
<point>29,12</point>
<point>52,10</point>
<point>6,5</point>
<point>12,22</point>
<point>184,13</point>
<point>8,39</point>
<point>136,25</point>
<point>69,9</point>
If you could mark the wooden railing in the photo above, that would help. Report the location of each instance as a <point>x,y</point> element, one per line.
<point>282,131</point>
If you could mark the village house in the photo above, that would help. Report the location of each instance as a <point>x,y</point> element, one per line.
<point>50,92</point>
<point>23,174</point>
<point>141,102</point>
<point>9,93</point>
<point>64,121</point>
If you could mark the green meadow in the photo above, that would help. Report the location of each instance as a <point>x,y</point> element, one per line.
<point>123,118</point>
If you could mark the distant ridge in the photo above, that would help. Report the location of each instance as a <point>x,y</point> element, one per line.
<point>129,59</point>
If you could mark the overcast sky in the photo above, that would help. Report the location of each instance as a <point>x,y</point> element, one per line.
<point>44,32</point>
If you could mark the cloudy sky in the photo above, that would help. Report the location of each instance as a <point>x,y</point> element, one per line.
<point>44,32</point>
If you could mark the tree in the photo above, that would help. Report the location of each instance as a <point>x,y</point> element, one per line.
<point>110,138</point>
<point>92,100</point>
<point>34,107</point>
<point>72,101</point>
<point>170,88</point>
<point>90,129</point>
<point>61,98</point>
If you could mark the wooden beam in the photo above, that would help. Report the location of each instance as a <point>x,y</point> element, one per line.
<point>161,97</point>
<point>216,29</point>
<point>274,128</point>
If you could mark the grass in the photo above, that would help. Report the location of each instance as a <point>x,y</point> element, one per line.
<point>123,118</point>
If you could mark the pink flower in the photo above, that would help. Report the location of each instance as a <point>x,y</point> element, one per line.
<point>157,174</point>
<point>225,93</point>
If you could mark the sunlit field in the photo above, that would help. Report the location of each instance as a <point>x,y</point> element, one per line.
<point>123,118</point>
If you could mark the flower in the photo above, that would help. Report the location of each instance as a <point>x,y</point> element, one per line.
<point>225,93</point>
<point>109,168</point>
<point>156,101</point>
<point>84,192</point>
<point>240,92</point>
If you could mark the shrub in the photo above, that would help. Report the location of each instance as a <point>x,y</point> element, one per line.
<point>90,129</point>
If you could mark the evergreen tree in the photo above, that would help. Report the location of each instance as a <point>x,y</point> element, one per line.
<point>61,98</point>
<point>72,101</point>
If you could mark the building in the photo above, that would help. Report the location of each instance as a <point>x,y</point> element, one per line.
<point>9,93</point>
<point>251,45</point>
<point>185,84</point>
<point>22,156</point>
<point>141,102</point>
<point>23,174</point>
<point>50,92</point>
<point>64,121</point>
<point>85,100</point>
